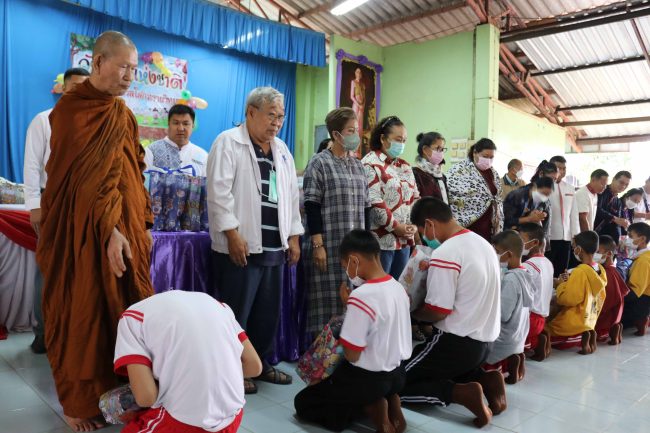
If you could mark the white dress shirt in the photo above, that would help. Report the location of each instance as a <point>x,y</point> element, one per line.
<point>587,202</point>
<point>166,154</point>
<point>564,212</point>
<point>642,206</point>
<point>37,152</point>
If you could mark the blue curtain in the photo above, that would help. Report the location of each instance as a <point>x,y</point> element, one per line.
<point>35,47</point>
<point>206,22</point>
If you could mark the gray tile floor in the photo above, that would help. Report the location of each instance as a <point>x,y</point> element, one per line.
<point>568,393</point>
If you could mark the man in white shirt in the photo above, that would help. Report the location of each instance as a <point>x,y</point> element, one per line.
<point>37,152</point>
<point>463,302</point>
<point>642,211</point>
<point>175,151</point>
<point>564,219</point>
<point>587,199</point>
<point>254,219</point>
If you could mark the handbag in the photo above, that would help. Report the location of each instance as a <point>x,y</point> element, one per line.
<point>324,355</point>
<point>118,405</point>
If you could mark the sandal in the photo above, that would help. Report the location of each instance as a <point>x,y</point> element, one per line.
<point>249,387</point>
<point>275,376</point>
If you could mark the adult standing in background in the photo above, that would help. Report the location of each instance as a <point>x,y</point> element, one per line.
<point>630,201</point>
<point>428,173</point>
<point>513,179</point>
<point>475,191</point>
<point>94,248</point>
<point>609,215</point>
<point>336,202</point>
<point>392,192</point>
<point>253,207</point>
<point>546,169</point>
<point>587,199</point>
<point>37,153</point>
<point>642,212</point>
<point>564,219</point>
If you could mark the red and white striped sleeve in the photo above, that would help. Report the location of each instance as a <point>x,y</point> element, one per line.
<point>360,319</point>
<point>442,282</point>
<point>130,347</point>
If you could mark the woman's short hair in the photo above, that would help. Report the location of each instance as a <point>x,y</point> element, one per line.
<point>337,119</point>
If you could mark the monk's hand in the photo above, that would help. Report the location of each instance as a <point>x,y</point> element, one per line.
<point>237,248</point>
<point>294,250</point>
<point>35,220</point>
<point>118,247</point>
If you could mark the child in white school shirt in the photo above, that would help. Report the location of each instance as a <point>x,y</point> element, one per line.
<point>376,338</point>
<point>186,358</point>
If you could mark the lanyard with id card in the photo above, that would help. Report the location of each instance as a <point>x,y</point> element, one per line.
<point>273,189</point>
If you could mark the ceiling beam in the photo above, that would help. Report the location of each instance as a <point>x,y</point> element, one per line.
<point>632,59</point>
<point>406,19</point>
<point>639,39</point>
<point>318,9</point>
<point>615,140</point>
<point>607,121</point>
<point>605,105</point>
<point>582,21</point>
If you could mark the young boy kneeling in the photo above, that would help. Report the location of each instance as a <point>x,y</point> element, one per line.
<point>516,288</point>
<point>186,358</point>
<point>637,303</point>
<point>376,337</point>
<point>541,270</point>
<point>580,299</point>
<point>609,320</point>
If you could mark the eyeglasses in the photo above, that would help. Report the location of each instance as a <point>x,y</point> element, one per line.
<point>272,117</point>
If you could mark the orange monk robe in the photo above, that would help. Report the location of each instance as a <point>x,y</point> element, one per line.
<point>94,184</point>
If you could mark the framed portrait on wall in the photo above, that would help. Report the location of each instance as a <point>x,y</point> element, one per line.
<point>358,86</point>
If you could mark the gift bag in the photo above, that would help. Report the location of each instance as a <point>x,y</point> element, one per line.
<point>324,354</point>
<point>118,405</point>
<point>169,193</point>
<point>414,276</point>
<point>191,218</point>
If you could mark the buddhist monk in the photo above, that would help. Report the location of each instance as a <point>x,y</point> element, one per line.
<point>94,249</point>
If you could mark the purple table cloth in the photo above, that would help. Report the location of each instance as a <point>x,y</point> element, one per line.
<point>181,261</point>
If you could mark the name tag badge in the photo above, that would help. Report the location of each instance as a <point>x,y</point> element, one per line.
<point>273,189</point>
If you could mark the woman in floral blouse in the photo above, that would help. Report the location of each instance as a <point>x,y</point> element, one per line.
<point>392,192</point>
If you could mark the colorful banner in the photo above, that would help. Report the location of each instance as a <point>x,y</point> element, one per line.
<point>159,82</point>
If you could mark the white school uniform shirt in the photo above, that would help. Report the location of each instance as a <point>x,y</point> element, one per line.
<point>564,212</point>
<point>587,202</point>
<point>166,154</point>
<point>541,271</point>
<point>37,152</point>
<point>378,323</point>
<point>464,281</point>
<point>234,185</point>
<point>641,207</point>
<point>193,344</point>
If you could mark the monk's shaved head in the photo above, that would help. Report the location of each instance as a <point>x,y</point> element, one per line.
<point>108,42</point>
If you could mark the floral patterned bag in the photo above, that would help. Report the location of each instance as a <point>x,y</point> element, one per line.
<point>324,355</point>
<point>118,405</point>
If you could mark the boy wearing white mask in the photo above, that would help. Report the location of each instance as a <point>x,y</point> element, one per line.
<point>376,338</point>
<point>637,302</point>
<point>530,204</point>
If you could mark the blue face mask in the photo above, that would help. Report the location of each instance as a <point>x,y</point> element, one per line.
<point>433,244</point>
<point>396,149</point>
<point>351,142</point>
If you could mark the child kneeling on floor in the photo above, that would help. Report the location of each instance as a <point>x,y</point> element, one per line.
<point>637,302</point>
<point>580,299</point>
<point>516,288</point>
<point>376,338</point>
<point>541,271</point>
<point>186,358</point>
<point>609,320</point>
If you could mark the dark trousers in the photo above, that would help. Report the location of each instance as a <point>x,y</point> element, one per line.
<point>438,364</point>
<point>559,255</point>
<point>335,401</point>
<point>636,308</point>
<point>39,329</point>
<point>254,293</point>
<point>394,261</point>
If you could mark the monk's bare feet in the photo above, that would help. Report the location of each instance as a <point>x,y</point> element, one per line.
<point>641,327</point>
<point>470,395</point>
<point>80,424</point>
<point>540,350</point>
<point>613,335</point>
<point>593,337</point>
<point>99,422</point>
<point>513,369</point>
<point>494,389</point>
<point>395,414</point>
<point>620,333</point>
<point>378,414</point>
<point>522,367</point>
<point>585,344</point>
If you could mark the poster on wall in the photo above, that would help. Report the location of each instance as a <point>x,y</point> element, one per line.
<point>160,81</point>
<point>358,86</point>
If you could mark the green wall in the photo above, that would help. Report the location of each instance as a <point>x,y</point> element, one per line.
<point>312,93</point>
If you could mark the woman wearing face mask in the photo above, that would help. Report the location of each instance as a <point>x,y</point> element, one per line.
<point>475,191</point>
<point>546,169</point>
<point>392,192</point>
<point>631,200</point>
<point>530,204</point>
<point>336,201</point>
<point>428,174</point>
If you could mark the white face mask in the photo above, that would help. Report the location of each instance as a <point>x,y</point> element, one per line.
<point>629,243</point>
<point>598,258</point>
<point>576,255</point>
<point>520,174</point>
<point>538,197</point>
<point>526,251</point>
<point>356,281</point>
<point>630,204</point>
<point>504,265</point>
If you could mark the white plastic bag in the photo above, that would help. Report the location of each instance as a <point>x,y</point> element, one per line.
<point>414,276</point>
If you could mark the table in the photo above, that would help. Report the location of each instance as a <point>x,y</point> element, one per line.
<point>181,261</point>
